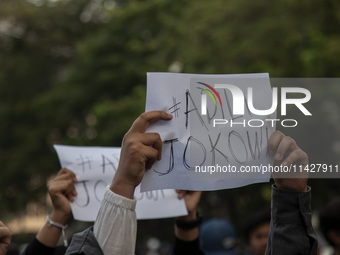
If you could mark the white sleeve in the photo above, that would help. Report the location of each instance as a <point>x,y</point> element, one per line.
<point>116,225</point>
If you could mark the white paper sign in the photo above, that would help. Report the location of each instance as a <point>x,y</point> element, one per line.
<point>95,168</point>
<point>215,124</point>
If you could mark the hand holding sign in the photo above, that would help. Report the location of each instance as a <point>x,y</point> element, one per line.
<point>95,168</point>
<point>286,152</point>
<point>62,191</point>
<point>215,138</point>
<point>139,150</point>
<point>191,198</point>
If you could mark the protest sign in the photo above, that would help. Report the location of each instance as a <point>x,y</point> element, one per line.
<point>219,132</point>
<point>95,168</point>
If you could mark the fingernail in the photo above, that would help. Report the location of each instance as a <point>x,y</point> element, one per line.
<point>285,163</point>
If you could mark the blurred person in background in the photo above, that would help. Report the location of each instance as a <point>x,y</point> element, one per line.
<point>61,191</point>
<point>214,236</point>
<point>256,230</point>
<point>330,224</point>
<point>218,236</point>
<point>115,228</point>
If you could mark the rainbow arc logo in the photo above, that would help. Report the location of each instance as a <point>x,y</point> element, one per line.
<point>204,97</point>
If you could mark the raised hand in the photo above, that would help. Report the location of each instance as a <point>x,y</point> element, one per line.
<point>139,151</point>
<point>62,191</point>
<point>286,152</point>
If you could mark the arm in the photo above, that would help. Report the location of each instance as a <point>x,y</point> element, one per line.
<point>116,227</point>
<point>291,230</point>
<point>5,238</point>
<point>61,191</point>
<point>186,241</point>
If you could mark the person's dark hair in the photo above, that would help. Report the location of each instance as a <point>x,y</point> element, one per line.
<point>329,218</point>
<point>255,220</point>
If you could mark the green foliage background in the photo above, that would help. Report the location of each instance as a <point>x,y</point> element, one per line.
<point>74,72</point>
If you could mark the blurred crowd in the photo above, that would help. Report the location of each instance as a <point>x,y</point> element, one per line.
<point>284,228</point>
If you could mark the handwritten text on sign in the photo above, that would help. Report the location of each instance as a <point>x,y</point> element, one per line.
<point>209,129</point>
<point>95,168</point>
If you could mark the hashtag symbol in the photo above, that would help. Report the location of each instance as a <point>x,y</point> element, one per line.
<point>175,107</point>
<point>84,161</point>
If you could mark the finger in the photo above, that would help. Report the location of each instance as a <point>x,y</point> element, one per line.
<point>64,187</point>
<point>69,188</point>
<point>197,194</point>
<point>66,173</point>
<point>65,176</point>
<point>151,155</point>
<point>60,195</point>
<point>154,140</point>
<point>274,142</point>
<point>296,157</point>
<point>63,171</point>
<point>286,145</point>
<point>70,197</point>
<point>71,192</point>
<point>180,193</point>
<point>142,122</point>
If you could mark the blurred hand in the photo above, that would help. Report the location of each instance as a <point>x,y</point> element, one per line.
<point>191,198</point>
<point>139,151</point>
<point>5,238</point>
<point>286,152</point>
<point>62,191</point>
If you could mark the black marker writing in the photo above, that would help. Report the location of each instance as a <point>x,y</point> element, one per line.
<point>98,189</point>
<point>234,133</point>
<point>172,159</point>
<point>257,146</point>
<point>82,189</point>
<point>174,107</point>
<point>213,149</point>
<point>151,195</point>
<point>186,165</point>
<point>187,111</point>
<point>84,161</point>
<point>106,161</point>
